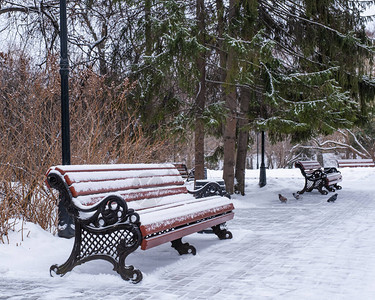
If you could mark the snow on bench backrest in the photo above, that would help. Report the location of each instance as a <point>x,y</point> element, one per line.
<point>89,184</point>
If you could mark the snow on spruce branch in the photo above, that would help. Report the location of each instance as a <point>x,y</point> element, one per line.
<point>281,10</point>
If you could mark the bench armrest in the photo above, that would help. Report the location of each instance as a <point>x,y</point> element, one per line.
<point>331,170</point>
<point>210,189</point>
<point>55,180</point>
<point>110,211</point>
<point>317,174</point>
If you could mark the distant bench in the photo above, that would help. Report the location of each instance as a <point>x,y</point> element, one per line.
<point>117,208</point>
<point>182,169</point>
<point>316,177</point>
<point>202,182</point>
<point>185,174</point>
<point>354,163</point>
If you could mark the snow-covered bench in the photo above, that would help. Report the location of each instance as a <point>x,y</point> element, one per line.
<point>354,163</point>
<point>318,178</point>
<point>117,208</point>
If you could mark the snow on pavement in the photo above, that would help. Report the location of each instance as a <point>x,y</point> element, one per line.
<point>304,249</point>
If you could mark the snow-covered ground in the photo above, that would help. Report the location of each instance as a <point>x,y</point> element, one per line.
<point>304,249</point>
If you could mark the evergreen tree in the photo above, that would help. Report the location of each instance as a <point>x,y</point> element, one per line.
<point>200,100</point>
<point>321,83</point>
<point>230,97</point>
<point>305,63</point>
<point>160,50</point>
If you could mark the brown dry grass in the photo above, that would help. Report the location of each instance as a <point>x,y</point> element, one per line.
<point>103,130</point>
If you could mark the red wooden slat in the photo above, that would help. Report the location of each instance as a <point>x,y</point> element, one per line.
<point>179,233</point>
<point>70,181</point>
<point>63,172</point>
<point>134,196</point>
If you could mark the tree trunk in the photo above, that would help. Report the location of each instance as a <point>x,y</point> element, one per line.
<point>230,142</point>
<point>148,41</point>
<point>201,95</point>
<point>242,140</point>
<point>230,103</point>
<point>103,69</point>
<point>221,26</point>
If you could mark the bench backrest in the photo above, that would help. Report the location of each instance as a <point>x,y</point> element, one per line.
<point>308,166</point>
<point>353,163</point>
<point>89,184</point>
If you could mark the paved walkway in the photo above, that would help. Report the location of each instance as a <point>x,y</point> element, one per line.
<point>305,249</point>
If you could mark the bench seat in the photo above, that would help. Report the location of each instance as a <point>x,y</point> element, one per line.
<point>197,219</point>
<point>147,203</point>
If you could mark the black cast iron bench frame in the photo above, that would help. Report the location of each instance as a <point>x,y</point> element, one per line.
<point>316,177</point>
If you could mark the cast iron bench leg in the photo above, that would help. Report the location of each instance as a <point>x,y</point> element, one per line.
<point>111,233</point>
<point>221,232</point>
<point>113,246</point>
<point>309,185</point>
<point>320,189</point>
<point>183,248</point>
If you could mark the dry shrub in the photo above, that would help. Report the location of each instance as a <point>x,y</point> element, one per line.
<point>103,130</point>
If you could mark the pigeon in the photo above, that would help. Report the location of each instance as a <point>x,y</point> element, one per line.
<point>297,196</point>
<point>332,198</point>
<point>282,198</point>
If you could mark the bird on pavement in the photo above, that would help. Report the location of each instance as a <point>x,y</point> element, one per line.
<point>297,196</point>
<point>282,198</point>
<point>332,198</point>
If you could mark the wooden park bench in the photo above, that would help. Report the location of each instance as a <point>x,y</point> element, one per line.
<point>316,177</point>
<point>354,163</point>
<point>117,208</point>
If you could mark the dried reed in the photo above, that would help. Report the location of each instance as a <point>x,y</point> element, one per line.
<point>103,130</point>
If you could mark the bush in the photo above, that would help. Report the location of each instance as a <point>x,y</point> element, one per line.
<point>103,130</point>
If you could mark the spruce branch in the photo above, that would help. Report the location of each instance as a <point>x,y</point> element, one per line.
<point>338,33</point>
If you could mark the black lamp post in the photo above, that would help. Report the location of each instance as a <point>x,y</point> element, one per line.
<point>65,226</point>
<point>262,176</point>
<point>64,73</point>
<point>257,150</point>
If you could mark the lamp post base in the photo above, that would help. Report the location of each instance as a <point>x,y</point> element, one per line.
<point>262,177</point>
